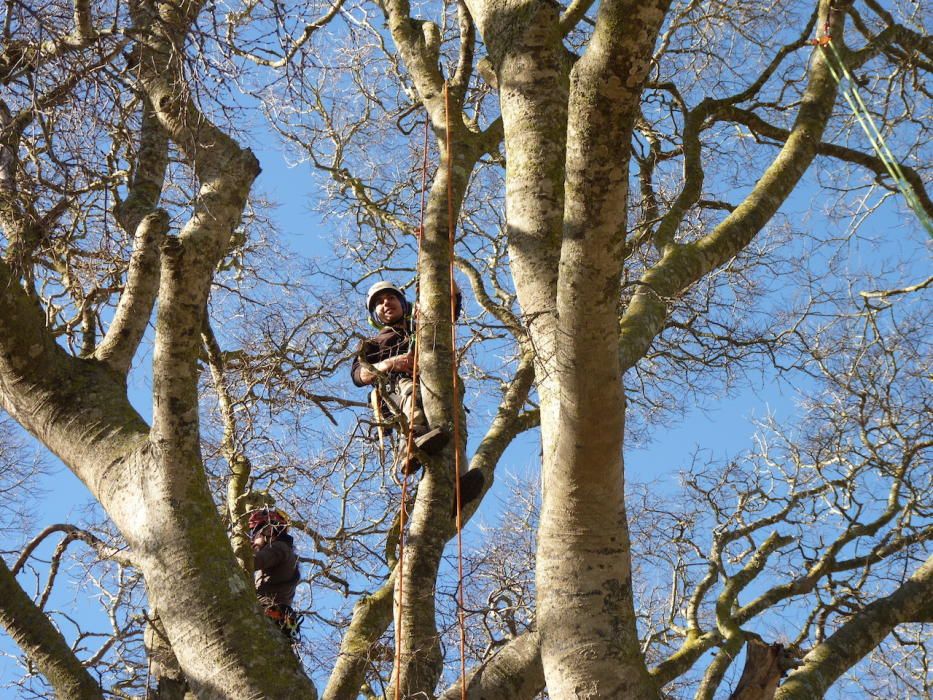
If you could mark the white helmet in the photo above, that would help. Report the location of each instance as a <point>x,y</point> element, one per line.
<point>374,291</point>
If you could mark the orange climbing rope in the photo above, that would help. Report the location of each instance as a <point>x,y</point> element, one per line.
<point>451,230</point>
<point>409,442</point>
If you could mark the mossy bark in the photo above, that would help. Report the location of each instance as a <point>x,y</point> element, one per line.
<point>152,482</point>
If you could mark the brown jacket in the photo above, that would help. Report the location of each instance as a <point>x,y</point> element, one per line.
<point>389,342</point>
<point>277,573</point>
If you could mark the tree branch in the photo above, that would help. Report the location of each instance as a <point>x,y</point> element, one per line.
<point>225,173</point>
<point>294,44</point>
<point>104,550</point>
<point>726,623</point>
<point>682,265</point>
<point>849,155</point>
<point>460,80</point>
<point>912,602</point>
<point>134,309</point>
<point>572,15</point>
<point>418,46</point>
<point>513,673</point>
<point>237,461</point>
<point>695,122</point>
<point>34,633</point>
<point>371,617</point>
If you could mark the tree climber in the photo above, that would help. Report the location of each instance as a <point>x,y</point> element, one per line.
<point>390,355</point>
<point>276,568</point>
<point>391,352</point>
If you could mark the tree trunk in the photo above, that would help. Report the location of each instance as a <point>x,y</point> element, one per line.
<point>765,665</point>
<point>429,530</point>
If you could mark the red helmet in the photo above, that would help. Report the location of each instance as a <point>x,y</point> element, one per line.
<point>260,518</point>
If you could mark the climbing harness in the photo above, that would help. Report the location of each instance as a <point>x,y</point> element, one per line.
<point>287,619</point>
<point>848,87</point>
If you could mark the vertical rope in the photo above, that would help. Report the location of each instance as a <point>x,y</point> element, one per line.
<point>849,89</point>
<point>451,228</point>
<point>409,442</point>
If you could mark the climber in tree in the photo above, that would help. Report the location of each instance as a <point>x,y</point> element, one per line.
<point>390,354</point>
<point>276,567</point>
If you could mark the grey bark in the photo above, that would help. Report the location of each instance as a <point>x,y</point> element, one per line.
<point>513,673</point>
<point>585,608</point>
<point>167,681</point>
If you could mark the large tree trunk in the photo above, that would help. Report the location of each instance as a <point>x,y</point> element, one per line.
<point>585,613</point>
<point>152,482</point>
<point>565,198</point>
<point>156,493</point>
<point>532,68</point>
<point>585,606</point>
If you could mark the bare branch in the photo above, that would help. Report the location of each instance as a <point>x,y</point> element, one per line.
<point>911,602</point>
<point>134,309</point>
<point>41,642</point>
<point>104,550</point>
<point>513,673</point>
<point>682,265</point>
<point>295,45</point>
<point>843,153</point>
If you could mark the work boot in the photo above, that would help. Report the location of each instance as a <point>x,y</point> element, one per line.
<point>430,440</point>
<point>471,486</point>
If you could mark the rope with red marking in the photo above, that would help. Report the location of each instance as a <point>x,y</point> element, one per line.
<point>455,379</point>
<point>409,442</point>
<point>451,230</point>
<point>848,87</point>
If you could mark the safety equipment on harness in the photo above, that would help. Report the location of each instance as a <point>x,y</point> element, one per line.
<point>287,619</point>
<point>263,517</point>
<point>383,286</point>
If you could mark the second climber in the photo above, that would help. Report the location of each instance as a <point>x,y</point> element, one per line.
<point>276,568</point>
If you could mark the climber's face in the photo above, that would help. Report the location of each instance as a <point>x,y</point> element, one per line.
<point>388,307</point>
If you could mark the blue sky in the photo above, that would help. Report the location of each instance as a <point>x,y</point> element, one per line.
<point>724,426</point>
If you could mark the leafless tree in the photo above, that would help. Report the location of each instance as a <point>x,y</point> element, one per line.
<point>614,173</point>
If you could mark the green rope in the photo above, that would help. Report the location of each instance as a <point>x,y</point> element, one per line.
<point>849,90</point>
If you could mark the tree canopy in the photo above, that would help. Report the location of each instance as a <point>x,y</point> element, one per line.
<point>648,205</point>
